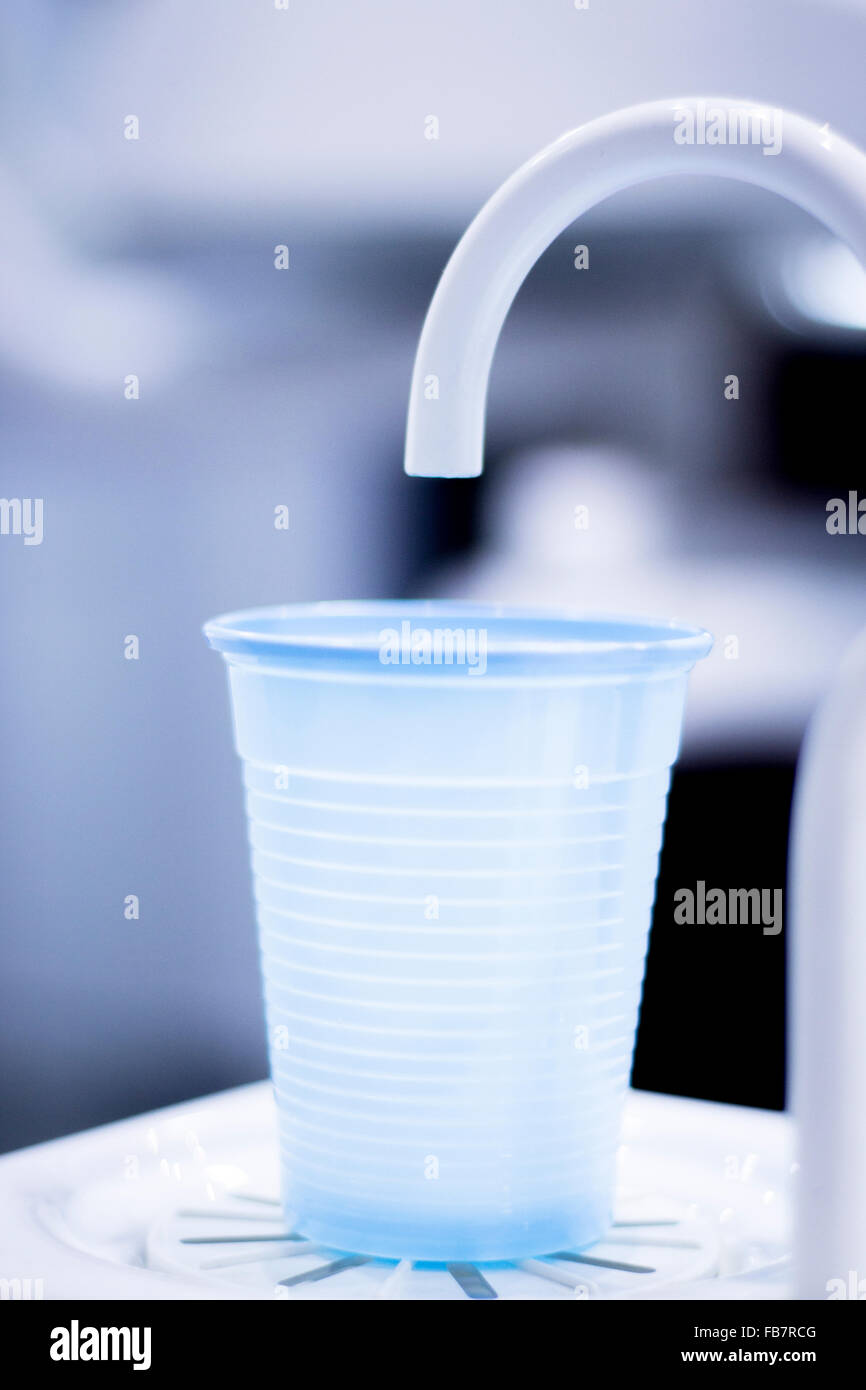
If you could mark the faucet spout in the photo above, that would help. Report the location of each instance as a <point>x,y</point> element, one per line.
<point>775,149</point>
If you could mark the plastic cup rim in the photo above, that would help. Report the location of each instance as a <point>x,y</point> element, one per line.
<point>237,631</point>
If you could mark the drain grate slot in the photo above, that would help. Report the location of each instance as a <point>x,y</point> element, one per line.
<point>471,1281</point>
<point>313,1276</point>
<point>599,1263</point>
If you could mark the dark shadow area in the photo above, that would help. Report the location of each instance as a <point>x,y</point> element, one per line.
<point>713,1017</point>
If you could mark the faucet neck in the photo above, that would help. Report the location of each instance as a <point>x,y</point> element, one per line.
<point>769,147</point>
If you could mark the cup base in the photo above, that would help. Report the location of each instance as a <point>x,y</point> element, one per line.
<point>480,1240</point>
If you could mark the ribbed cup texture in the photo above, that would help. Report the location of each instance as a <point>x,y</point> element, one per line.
<point>454,875</point>
<point>452,987</point>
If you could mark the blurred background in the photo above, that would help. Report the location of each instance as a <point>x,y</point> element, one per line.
<point>164,387</point>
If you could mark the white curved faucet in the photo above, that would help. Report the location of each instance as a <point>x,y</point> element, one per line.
<point>826,175</point>
<point>813,167</point>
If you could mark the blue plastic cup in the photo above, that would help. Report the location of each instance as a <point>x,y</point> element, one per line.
<point>455,814</point>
